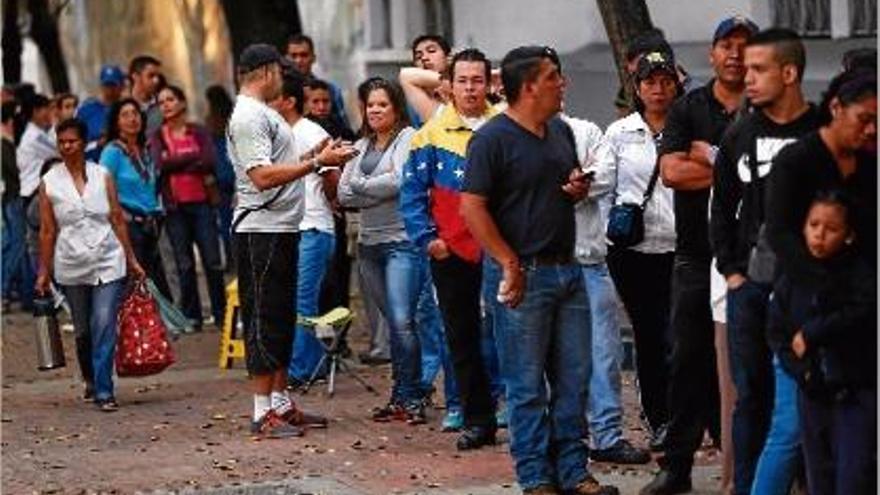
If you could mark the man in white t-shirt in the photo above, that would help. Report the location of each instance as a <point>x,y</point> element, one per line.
<point>266,235</point>
<point>317,242</point>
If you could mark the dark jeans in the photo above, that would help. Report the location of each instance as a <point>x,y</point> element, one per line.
<point>840,444</point>
<point>751,366</point>
<point>144,238</point>
<point>336,283</point>
<point>644,282</point>
<point>693,378</point>
<point>458,285</point>
<point>196,222</point>
<point>18,267</point>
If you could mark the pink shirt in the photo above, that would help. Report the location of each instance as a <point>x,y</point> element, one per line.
<point>186,187</point>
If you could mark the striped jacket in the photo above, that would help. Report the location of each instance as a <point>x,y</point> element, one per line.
<point>432,181</point>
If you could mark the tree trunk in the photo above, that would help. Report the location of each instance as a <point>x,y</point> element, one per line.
<point>44,31</point>
<point>266,21</point>
<point>11,43</point>
<point>624,20</point>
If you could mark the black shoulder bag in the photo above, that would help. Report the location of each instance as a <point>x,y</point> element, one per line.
<point>626,222</point>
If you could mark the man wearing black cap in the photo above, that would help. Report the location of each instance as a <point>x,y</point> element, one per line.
<point>521,183</point>
<point>266,235</point>
<point>693,130</point>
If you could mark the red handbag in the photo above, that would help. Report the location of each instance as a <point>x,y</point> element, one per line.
<point>142,347</point>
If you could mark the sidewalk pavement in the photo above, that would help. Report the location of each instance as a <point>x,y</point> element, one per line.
<point>185,431</point>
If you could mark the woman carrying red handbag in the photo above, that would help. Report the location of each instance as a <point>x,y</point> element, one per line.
<point>84,244</point>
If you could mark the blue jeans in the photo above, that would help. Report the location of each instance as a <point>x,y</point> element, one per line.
<point>545,342</point>
<point>782,452</point>
<point>197,222</point>
<point>493,318</point>
<point>316,251</point>
<point>605,411</point>
<point>17,269</point>
<point>752,373</point>
<point>432,335</point>
<point>93,310</point>
<point>392,272</point>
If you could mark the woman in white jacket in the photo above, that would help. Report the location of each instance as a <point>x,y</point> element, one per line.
<point>642,273</point>
<point>391,265</point>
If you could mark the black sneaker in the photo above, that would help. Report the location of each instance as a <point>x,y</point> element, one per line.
<point>667,483</point>
<point>389,412</point>
<point>273,426</point>
<point>621,452</point>
<point>88,393</point>
<point>474,437</point>
<point>415,413</point>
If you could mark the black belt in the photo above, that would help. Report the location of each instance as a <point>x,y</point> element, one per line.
<point>551,259</point>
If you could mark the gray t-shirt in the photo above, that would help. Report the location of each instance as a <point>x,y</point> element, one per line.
<point>259,136</point>
<point>370,160</point>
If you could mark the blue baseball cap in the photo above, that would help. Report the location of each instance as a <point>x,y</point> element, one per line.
<point>111,75</point>
<point>731,24</point>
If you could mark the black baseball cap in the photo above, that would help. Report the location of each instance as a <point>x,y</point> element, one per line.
<point>655,61</point>
<point>257,55</point>
<point>731,24</point>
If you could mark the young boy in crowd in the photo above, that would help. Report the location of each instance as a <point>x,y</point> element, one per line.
<point>825,335</point>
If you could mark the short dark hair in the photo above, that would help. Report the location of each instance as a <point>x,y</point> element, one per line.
<point>292,86</point>
<point>848,87</point>
<point>471,55</point>
<point>651,40</point>
<point>837,197</point>
<point>8,111</point>
<point>62,97</point>
<point>436,38</point>
<point>301,39</point>
<point>395,95</point>
<point>521,65</point>
<point>141,62</point>
<point>787,46</point>
<point>315,83</point>
<point>860,57</point>
<point>113,120</point>
<point>73,123</point>
<point>36,101</point>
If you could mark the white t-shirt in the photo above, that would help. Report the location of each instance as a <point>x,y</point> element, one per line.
<point>318,214</point>
<point>258,135</point>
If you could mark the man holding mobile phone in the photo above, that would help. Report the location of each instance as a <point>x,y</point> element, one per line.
<point>522,182</point>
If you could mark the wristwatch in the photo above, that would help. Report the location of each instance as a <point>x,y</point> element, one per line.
<point>315,165</point>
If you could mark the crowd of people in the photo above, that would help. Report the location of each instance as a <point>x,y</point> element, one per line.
<point>743,250</point>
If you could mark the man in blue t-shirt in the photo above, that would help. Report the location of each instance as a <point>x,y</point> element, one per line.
<point>94,111</point>
<point>521,184</point>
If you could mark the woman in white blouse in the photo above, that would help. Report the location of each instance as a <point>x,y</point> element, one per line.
<point>642,273</point>
<point>84,245</point>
